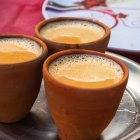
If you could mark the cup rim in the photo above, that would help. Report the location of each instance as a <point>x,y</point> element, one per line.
<point>40,43</point>
<point>44,22</point>
<point>82,51</point>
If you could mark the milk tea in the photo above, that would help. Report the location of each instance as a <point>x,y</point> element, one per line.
<point>86,71</point>
<point>72,31</point>
<point>15,50</point>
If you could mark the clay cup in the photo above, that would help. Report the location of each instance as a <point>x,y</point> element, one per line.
<point>97,45</point>
<point>20,84</point>
<point>82,113</point>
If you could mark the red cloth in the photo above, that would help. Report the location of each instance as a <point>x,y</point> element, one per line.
<point>19,16</point>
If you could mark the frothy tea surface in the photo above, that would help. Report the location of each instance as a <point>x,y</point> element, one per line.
<point>14,50</point>
<point>86,71</point>
<point>72,31</point>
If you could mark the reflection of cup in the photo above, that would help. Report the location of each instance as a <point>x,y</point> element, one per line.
<point>20,75</point>
<point>82,112</point>
<point>63,33</point>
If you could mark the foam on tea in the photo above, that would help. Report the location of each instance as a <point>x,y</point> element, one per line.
<point>86,71</point>
<point>72,31</point>
<point>14,50</point>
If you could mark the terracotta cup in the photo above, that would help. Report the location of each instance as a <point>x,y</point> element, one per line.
<point>20,84</point>
<point>98,45</point>
<point>82,113</point>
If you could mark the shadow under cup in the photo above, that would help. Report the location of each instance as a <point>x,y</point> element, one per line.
<point>82,113</point>
<point>97,45</point>
<point>20,84</point>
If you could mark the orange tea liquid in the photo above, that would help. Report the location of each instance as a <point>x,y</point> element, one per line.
<point>86,71</point>
<point>18,50</point>
<point>72,32</point>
